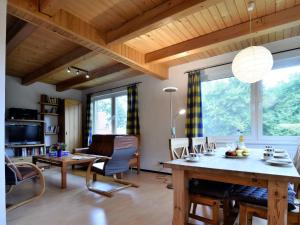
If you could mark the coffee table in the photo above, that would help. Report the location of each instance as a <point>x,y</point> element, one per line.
<point>63,163</point>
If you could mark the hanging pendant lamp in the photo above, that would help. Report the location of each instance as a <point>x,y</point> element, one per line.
<point>253,63</point>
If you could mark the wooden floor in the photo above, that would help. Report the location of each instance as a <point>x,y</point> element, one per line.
<point>150,204</point>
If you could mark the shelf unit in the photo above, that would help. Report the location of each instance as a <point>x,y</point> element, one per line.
<point>24,145</point>
<point>51,106</point>
<point>50,114</point>
<point>24,121</point>
<point>23,152</point>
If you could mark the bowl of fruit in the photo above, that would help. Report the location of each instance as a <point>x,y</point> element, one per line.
<point>237,153</point>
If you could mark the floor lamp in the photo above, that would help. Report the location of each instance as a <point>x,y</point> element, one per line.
<point>171,90</point>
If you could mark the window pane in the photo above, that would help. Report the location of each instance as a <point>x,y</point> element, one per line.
<point>121,114</point>
<point>103,116</point>
<point>226,107</point>
<point>281,102</point>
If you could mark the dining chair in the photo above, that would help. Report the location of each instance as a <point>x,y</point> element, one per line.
<point>17,173</point>
<point>211,143</point>
<point>198,188</point>
<point>253,201</point>
<point>198,144</point>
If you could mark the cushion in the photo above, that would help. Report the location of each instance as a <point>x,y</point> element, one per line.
<point>259,196</point>
<point>27,172</point>
<point>209,188</point>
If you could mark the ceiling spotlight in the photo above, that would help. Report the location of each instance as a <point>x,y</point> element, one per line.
<point>69,70</point>
<point>87,76</point>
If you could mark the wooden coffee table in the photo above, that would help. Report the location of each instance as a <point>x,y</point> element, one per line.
<point>63,162</point>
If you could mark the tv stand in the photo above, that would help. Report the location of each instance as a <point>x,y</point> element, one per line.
<point>24,151</point>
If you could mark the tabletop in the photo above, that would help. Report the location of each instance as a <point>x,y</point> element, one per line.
<point>69,158</point>
<point>253,164</point>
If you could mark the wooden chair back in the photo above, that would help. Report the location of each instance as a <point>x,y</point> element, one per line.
<point>198,144</point>
<point>179,147</point>
<point>296,159</point>
<point>211,143</point>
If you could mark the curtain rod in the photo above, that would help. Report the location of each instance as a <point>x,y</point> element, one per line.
<point>223,64</point>
<point>110,89</point>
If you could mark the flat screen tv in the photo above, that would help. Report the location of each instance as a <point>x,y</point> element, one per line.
<point>22,134</point>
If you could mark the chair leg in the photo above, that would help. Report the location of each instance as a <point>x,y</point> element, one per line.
<point>243,215</point>
<point>215,216</point>
<point>194,208</point>
<point>94,177</point>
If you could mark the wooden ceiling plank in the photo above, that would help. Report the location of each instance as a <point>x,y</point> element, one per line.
<point>274,22</point>
<point>60,63</point>
<point>50,7</point>
<point>78,31</point>
<point>97,73</point>
<point>18,33</point>
<point>155,18</point>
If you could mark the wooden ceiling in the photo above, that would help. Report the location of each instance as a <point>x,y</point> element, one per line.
<point>117,39</point>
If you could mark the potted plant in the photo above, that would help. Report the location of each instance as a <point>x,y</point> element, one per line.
<point>56,149</point>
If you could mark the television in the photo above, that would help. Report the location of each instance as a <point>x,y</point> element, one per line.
<point>23,134</point>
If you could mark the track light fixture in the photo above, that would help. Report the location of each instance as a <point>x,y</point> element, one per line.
<point>78,70</point>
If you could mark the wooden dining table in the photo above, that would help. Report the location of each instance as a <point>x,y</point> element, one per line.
<point>251,171</point>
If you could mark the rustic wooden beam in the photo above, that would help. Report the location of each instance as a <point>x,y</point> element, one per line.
<point>263,25</point>
<point>155,18</point>
<point>76,30</point>
<point>58,64</point>
<point>18,33</point>
<point>97,73</point>
<point>50,7</point>
<point>285,19</point>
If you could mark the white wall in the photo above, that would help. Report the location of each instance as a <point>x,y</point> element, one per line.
<point>154,105</point>
<point>2,104</point>
<point>20,96</point>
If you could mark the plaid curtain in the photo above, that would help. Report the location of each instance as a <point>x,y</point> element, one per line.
<point>193,126</point>
<point>87,138</point>
<point>133,124</point>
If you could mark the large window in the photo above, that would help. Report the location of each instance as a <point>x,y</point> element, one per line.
<point>265,110</point>
<point>110,114</point>
<point>281,102</point>
<point>226,107</point>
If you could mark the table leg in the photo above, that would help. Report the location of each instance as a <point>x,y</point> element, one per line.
<point>277,203</point>
<point>181,200</point>
<point>63,175</point>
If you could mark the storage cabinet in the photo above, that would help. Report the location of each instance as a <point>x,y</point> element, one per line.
<point>71,124</point>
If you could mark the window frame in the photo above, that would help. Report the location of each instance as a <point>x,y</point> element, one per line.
<point>256,111</point>
<point>113,97</point>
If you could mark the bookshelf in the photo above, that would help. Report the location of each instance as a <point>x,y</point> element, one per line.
<point>51,113</point>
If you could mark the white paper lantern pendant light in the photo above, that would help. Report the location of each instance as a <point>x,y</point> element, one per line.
<point>253,63</point>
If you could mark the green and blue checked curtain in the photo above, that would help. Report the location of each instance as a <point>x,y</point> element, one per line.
<point>87,139</point>
<point>133,124</point>
<point>194,126</point>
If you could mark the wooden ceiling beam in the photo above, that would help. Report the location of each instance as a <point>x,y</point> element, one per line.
<point>78,31</point>
<point>155,18</point>
<point>69,59</point>
<point>263,25</point>
<point>18,33</point>
<point>50,7</point>
<point>97,73</point>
